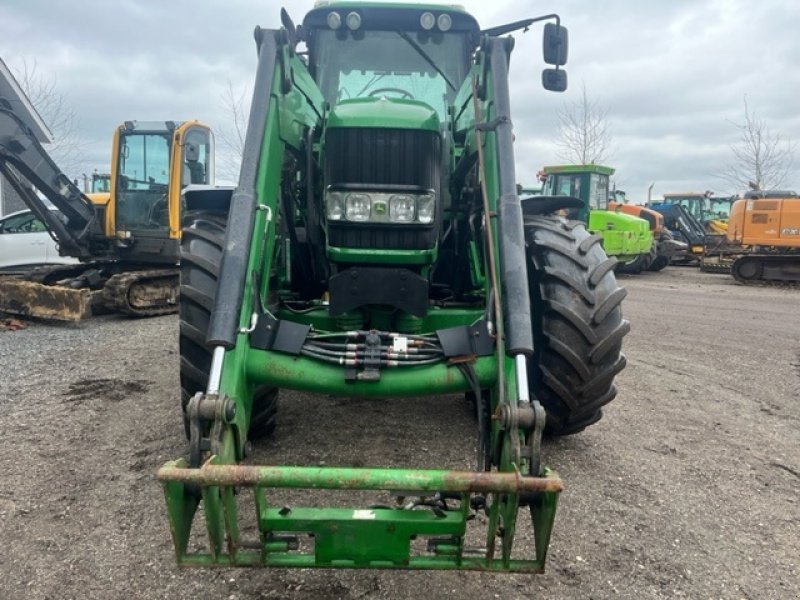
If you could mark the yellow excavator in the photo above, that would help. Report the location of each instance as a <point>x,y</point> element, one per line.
<point>127,239</point>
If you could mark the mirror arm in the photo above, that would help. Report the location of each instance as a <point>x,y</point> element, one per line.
<point>524,25</point>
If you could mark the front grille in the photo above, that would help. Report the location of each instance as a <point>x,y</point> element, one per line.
<point>382,156</point>
<point>376,156</point>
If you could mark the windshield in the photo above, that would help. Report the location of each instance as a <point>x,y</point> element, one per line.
<point>391,63</point>
<point>101,183</point>
<point>142,182</point>
<point>693,204</point>
<point>720,209</point>
<point>563,185</point>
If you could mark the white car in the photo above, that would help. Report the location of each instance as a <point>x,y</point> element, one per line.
<point>25,242</point>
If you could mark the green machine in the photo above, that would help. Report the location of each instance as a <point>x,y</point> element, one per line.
<point>624,236</point>
<point>376,246</point>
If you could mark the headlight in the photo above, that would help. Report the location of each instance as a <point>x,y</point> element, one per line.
<point>334,20</point>
<point>426,208</point>
<point>353,21</point>
<point>357,207</point>
<point>445,22</point>
<point>402,208</point>
<point>334,203</point>
<point>427,20</point>
<point>381,207</point>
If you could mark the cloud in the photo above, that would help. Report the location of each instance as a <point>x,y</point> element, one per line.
<point>672,74</point>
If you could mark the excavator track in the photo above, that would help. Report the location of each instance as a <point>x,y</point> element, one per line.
<point>752,268</point>
<point>146,293</point>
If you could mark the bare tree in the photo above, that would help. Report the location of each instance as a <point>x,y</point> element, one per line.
<point>231,134</point>
<point>583,133</point>
<point>761,159</point>
<point>57,113</point>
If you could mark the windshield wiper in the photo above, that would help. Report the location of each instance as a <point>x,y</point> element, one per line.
<point>424,55</point>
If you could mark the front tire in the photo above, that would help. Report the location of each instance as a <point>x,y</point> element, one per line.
<point>635,266</point>
<point>577,323</point>
<point>660,261</point>
<point>202,243</point>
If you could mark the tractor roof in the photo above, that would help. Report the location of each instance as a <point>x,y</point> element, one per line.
<point>389,15</point>
<point>579,169</point>
<point>403,5</point>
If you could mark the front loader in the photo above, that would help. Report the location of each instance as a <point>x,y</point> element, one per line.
<point>375,246</point>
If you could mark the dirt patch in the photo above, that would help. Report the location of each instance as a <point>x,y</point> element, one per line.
<point>112,390</point>
<point>11,324</point>
<point>688,487</point>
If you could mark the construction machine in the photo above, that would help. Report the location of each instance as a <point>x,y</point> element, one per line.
<point>664,247</point>
<point>712,211</point>
<point>684,228</point>
<point>126,238</point>
<point>625,237</point>
<point>98,183</point>
<point>376,246</point>
<point>765,227</point>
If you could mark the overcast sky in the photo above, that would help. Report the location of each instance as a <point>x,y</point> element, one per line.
<point>672,73</point>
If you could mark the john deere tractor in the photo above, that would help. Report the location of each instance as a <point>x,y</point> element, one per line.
<point>625,237</point>
<point>376,246</point>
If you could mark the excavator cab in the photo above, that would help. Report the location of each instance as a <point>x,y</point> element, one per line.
<point>152,162</point>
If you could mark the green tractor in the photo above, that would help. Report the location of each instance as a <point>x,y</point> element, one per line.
<point>625,237</point>
<point>375,246</point>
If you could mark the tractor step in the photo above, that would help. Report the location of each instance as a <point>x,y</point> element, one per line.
<point>375,537</point>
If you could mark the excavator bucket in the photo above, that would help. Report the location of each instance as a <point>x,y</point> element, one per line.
<point>433,505</point>
<point>31,299</point>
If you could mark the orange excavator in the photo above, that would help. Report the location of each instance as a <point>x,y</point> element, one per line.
<point>765,225</point>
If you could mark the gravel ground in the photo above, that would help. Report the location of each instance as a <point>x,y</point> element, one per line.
<point>687,488</point>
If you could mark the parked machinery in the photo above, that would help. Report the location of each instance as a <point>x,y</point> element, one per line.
<point>765,226</point>
<point>665,246</point>
<point>127,239</point>
<point>625,237</point>
<point>711,211</point>
<point>684,228</point>
<point>376,246</point>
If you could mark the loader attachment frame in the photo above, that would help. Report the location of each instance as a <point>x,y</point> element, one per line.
<point>377,537</point>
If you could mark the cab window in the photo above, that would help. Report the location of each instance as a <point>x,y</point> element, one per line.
<point>196,155</point>
<point>598,191</point>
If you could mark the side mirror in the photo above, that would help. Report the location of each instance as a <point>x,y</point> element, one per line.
<point>288,24</point>
<point>555,44</point>
<point>554,80</point>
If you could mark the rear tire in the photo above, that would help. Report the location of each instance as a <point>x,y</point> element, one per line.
<point>201,252</point>
<point>577,323</point>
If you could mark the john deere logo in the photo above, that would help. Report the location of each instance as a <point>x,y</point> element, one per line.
<point>379,208</point>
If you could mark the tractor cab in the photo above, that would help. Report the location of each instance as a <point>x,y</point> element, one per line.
<point>390,52</point>
<point>624,236</point>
